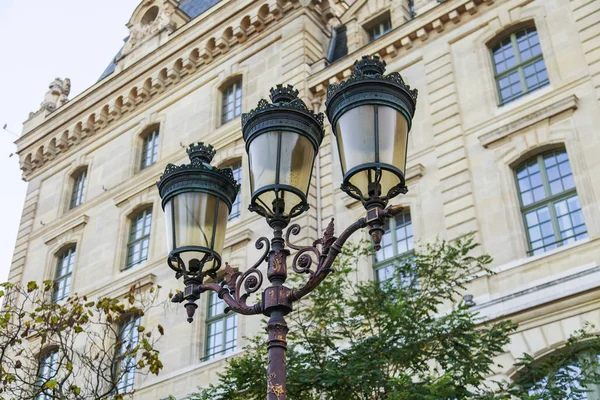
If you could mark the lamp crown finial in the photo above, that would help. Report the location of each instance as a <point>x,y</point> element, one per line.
<point>283,94</point>
<point>370,65</point>
<point>201,152</point>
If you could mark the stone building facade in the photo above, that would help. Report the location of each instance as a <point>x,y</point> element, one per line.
<point>505,143</point>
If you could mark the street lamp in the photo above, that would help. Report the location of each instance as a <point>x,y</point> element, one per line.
<point>371,115</point>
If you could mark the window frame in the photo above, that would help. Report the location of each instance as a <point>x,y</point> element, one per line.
<point>548,201</point>
<point>43,378</point>
<point>133,321</point>
<point>397,257</point>
<point>210,320</point>
<point>131,242</point>
<point>154,135</point>
<point>236,86</point>
<point>78,182</point>
<point>69,252</point>
<point>519,66</point>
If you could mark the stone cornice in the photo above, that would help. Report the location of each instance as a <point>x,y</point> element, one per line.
<point>93,111</point>
<point>565,104</point>
<point>72,224</point>
<point>401,38</point>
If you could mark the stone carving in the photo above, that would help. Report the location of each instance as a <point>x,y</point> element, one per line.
<point>144,30</point>
<point>57,95</point>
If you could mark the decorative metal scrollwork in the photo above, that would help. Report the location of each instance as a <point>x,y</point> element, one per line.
<point>302,260</point>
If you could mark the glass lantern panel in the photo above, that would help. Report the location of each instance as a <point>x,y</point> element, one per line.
<point>393,137</point>
<point>297,157</point>
<point>263,161</point>
<point>356,137</point>
<point>194,222</point>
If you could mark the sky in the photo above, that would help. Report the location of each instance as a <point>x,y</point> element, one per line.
<point>39,41</point>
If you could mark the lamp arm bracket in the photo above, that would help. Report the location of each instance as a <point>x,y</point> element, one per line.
<point>233,303</point>
<point>331,247</point>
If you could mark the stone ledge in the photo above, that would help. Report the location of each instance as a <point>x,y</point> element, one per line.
<point>568,103</point>
<point>542,291</point>
<point>73,224</point>
<point>236,237</point>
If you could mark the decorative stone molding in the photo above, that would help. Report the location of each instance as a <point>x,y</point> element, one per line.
<point>404,38</point>
<point>198,56</point>
<point>71,225</point>
<point>566,104</point>
<point>234,238</point>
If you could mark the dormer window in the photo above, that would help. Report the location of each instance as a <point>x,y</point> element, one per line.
<point>379,29</point>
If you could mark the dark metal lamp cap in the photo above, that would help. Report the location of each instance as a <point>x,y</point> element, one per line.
<point>201,152</point>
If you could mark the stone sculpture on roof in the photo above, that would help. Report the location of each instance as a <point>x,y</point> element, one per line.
<point>57,95</point>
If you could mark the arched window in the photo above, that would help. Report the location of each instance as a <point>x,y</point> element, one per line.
<point>232,101</point>
<point>139,238</point>
<point>62,275</point>
<point>236,207</point>
<point>149,148</point>
<point>549,201</point>
<point>221,328</point>
<point>397,244</point>
<point>47,370</point>
<point>519,64</point>
<point>78,187</point>
<point>563,375</point>
<point>128,338</point>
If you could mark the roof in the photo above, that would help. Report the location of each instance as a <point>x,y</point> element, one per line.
<point>338,47</point>
<point>192,8</point>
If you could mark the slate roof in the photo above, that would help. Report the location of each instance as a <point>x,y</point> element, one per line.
<point>193,8</point>
<point>339,47</point>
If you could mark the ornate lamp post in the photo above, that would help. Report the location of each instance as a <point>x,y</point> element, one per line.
<point>371,115</point>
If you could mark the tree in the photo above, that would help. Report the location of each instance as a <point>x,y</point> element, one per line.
<point>406,338</point>
<point>75,348</point>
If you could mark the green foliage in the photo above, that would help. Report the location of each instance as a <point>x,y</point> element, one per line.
<point>405,339</point>
<point>84,335</point>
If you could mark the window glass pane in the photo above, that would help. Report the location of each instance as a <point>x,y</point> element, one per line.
<point>139,238</point>
<point>221,336</point>
<point>570,219</point>
<point>128,339</point>
<point>404,233</point>
<point>150,149</point>
<point>78,189</point>
<point>397,242</point>
<point>232,101</point>
<point>530,183</point>
<point>62,277</point>
<point>47,370</point>
<point>540,228</point>
<point>380,29</point>
<point>236,207</point>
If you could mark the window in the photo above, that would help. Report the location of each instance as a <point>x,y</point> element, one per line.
<point>549,202</point>
<point>232,101</point>
<point>62,276</point>
<point>78,188</point>
<point>572,380</point>
<point>149,149</point>
<point>221,337</point>
<point>124,363</point>
<point>519,65</point>
<point>46,371</point>
<point>380,29</point>
<point>397,244</point>
<point>139,238</point>
<point>236,207</point>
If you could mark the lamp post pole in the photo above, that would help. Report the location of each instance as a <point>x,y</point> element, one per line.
<point>370,114</point>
